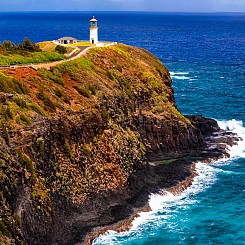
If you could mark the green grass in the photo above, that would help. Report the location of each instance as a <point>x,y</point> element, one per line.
<point>67,150</point>
<point>31,58</point>
<point>105,115</point>
<point>37,109</point>
<point>83,91</point>
<point>40,146</point>
<point>3,229</point>
<point>45,43</point>
<point>166,161</point>
<point>122,50</point>
<point>25,119</point>
<point>26,162</point>
<point>5,132</point>
<point>48,104</point>
<point>83,44</point>
<point>12,85</point>
<point>73,67</point>
<point>54,75</point>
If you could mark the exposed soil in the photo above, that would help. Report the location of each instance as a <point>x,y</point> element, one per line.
<point>84,144</point>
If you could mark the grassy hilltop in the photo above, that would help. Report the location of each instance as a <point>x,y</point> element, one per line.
<point>27,53</point>
<point>78,134</point>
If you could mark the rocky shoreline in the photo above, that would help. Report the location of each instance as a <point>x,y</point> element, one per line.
<point>84,144</point>
<point>126,224</point>
<point>173,175</point>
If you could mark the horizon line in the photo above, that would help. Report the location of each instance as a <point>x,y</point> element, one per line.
<point>123,11</point>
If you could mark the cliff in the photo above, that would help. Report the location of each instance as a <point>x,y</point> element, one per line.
<point>76,142</point>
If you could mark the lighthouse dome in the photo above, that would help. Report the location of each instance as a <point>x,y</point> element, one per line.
<point>93,19</point>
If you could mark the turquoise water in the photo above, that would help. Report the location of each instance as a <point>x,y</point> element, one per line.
<point>206,57</point>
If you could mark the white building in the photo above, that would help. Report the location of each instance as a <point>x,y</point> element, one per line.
<point>67,40</point>
<point>93,31</point>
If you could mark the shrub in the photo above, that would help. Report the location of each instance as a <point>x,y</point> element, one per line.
<point>26,162</point>
<point>59,106</point>
<point>26,53</point>
<point>29,46</point>
<point>91,88</point>
<point>25,119</point>
<point>8,46</point>
<point>9,114</point>
<point>58,93</point>
<point>1,197</point>
<point>30,167</point>
<point>3,229</point>
<point>83,91</point>
<point>40,146</point>
<point>126,87</point>
<point>48,104</point>
<point>20,102</point>
<point>5,133</point>
<point>53,75</point>
<point>12,85</point>
<point>67,150</point>
<point>86,151</point>
<point>61,49</point>
<point>110,75</point>
<point>105,115</point>
<point>66,100</point>
<point>18,221</point>
<point>119,68</point>
<point>37,109</point>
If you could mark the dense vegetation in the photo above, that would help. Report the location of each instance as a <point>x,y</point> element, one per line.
<point>27,46</point>
<point>70,133</point>
<point>26,53</point>
<point>61,49</point>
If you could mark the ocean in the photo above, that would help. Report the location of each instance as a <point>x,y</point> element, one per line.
<point>205,54</point>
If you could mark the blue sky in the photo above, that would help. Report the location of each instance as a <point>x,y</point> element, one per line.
<point>125,5</point>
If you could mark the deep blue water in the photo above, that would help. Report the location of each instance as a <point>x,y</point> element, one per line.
<point>206,57</point>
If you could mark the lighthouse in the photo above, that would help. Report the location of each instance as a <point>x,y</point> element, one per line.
<point>93,31</point>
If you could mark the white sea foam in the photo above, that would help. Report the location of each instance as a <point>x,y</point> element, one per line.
<point>166,201</point>
<point>180,75</point>
<point>165,205</point>
<point>235,126</point>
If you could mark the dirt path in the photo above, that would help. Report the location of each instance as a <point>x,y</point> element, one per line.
<point>48,65</point>
<point>82,51</point>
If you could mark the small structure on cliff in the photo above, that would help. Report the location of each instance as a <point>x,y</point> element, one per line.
<point>67,40</point>
<point>93,31</point>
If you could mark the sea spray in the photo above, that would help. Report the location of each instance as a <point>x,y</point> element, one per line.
<point>164,207</point>
<point>235,127</point>
<point>180,75</point>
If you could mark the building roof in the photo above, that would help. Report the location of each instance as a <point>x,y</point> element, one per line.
<point>67,38</point>
<point>93,19</point>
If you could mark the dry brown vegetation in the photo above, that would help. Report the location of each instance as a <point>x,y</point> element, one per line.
<point>69,133</point>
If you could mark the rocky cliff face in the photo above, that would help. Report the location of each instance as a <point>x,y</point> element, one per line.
<point>76,141</point>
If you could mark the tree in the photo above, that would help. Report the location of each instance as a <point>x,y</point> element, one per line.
<point>60,49</point>
<point>29,46</point>
<point>8,46</point>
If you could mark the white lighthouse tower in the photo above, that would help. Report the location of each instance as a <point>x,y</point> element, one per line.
<point>93,31</point>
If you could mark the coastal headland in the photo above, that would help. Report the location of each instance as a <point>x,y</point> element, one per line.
<point>84,144</point>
